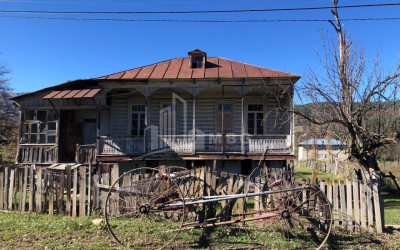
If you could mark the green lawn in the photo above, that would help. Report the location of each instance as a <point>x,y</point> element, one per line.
<point>306,172</point>
<point>28,230</point>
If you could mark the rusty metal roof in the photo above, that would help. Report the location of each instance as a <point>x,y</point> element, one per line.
<point>179,68</point>
<point>81,93</point>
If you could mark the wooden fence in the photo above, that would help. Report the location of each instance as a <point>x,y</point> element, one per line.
<point>335,168</point>
<point>76,191</point>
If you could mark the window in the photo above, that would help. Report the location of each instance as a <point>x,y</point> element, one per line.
<point>255,116</point>
<point>197,62</point>
<point>226,119</point>
<point>39,126</point>
<point>320,156</point>
<point>138,119</point>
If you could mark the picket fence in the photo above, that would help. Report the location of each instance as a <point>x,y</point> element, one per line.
<point>76,191</point>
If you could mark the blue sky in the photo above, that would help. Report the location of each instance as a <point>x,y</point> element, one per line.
<point>42,53</point>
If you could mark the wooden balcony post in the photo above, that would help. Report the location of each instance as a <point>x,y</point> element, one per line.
<point>242,130</point>
<point>194,121</point>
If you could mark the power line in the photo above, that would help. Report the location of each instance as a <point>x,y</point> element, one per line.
<point>197,11</point>
<point>150,3</point>
<point>204,21</point>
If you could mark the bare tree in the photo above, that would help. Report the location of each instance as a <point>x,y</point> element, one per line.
<point>8,115</point>
<point>354,99</point>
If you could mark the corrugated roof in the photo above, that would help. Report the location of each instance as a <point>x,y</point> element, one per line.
<point>82,93</point>
<point>179,68</point>
<point>321,142</point>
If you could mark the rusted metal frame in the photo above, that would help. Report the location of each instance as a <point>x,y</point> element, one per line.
<point>231,222</point>
<point>231,197</point>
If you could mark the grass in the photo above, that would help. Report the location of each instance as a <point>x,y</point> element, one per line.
<point>306,172</point>
<point>28,230</point>
<point>392,209</point>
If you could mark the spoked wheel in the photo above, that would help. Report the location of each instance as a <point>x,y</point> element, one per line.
<point>295,215</point>
<point>145,208</point>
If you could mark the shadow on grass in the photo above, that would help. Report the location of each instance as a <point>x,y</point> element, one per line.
<point>342,239</point>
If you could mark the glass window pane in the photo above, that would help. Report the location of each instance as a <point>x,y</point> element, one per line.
<point>51,139</point>
<point>33,138</point>
<point>52,115</point>
<point>42,138</point>
<point>42,115</point>
<point>250,107</point>
<point>135,116</point>
<point>51,126</point>
<point>250,123</point>
<point>34,128</point>
<point>227,107</point>
<point>29,115</point>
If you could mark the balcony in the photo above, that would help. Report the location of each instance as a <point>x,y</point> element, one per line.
<point>198,144</point>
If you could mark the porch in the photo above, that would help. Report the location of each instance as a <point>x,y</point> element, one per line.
<point>197,144</point>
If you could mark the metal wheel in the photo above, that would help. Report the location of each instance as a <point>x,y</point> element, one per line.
<point>295,215</point>
<point>140,209</point>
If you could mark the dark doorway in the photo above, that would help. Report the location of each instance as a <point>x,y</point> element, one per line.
<point>70,135</point>
<point>245,167</point>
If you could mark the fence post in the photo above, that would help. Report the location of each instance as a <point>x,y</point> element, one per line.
<point>370,208</point>
<point>336,203</point>
<point>363,206</point>
<point>31,188</point>
<point>380,224</point>
<point>51,192</point>
<point>1,190</point>
<point>68,188</point>
<point>25,187</point>
<point>39,190</point>
<point>343,204</point>
<point>11,189</point>
<point>82,191</point>
<point>356,205</point>
<point>75,192</point>
<point>349,206</point>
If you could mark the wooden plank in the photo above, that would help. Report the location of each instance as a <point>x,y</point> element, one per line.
<point>363,206</point>
<point>24,188</point>
<point>377,206</point>
<point>74,192</point>
<point>31,188</point>
<point>60,192</point>
<point>105,178</point>
<point>349,206</point>
<point>6,186</point>
<point>51,193</point>
<point>343,204</point>
<point>44,190</point>
<point>370,210</point>
<point>11,189</point>
<point>96,191</point>
<point>356,202</point>
<point>68,189</point>
<point>240,202</point>
<point>82,191</point>
<point>39,190</point>
<point>1,190</point>
<point>20,189</point>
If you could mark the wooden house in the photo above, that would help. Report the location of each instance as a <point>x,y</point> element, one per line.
<point>188,111</point>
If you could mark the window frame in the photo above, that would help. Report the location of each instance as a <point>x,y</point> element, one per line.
<point>218,112</point>
<point>131,112</point>
<point>255,118</point>
<point>26,130</point>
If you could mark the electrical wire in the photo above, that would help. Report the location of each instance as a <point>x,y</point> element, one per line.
<point>204,21</point>
<point>198,11</point>
<point>153,3</point>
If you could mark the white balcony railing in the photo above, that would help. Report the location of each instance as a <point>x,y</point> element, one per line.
<point>184,144</point>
